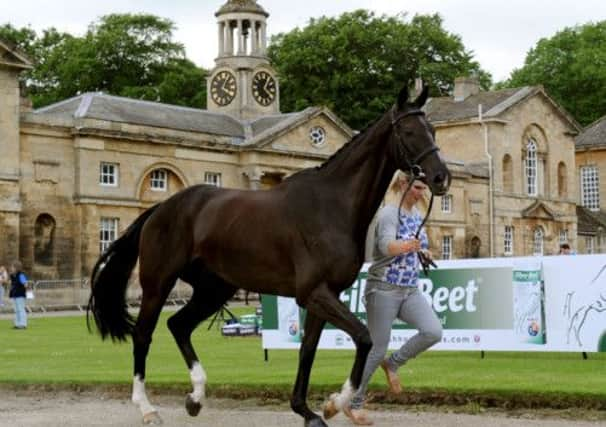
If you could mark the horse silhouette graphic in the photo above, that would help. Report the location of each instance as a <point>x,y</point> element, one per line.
<point>580,302</point>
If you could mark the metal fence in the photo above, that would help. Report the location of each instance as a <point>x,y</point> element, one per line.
<point>73,294</point>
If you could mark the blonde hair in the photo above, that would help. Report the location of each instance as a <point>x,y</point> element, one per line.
<point>395,189</point>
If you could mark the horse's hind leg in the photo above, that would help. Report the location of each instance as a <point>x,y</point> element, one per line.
<point>151,306</point>
<point>210,293</point>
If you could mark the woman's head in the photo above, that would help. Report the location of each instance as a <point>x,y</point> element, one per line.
<point>16,266</point>
<point>401,182</point>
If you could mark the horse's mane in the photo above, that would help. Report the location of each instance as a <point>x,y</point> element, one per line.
<point>337,155</point>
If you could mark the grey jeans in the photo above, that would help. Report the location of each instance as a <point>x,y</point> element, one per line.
<point>382,308</point>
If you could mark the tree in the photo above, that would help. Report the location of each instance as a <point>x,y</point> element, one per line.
<point>125,55</point>
<point>355,64</point>
<point>572,67</point>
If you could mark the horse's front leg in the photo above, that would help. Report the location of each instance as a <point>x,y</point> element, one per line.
<point>323,303</point>
<point>312,331</point>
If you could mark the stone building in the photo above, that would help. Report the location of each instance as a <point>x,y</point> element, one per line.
<point>516,192</point>
<point>76,173</point>
<point>591,165</point>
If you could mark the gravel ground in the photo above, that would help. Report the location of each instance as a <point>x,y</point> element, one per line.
<point>64,409</point>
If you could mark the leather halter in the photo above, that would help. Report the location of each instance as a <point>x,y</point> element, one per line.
<point>416,172</point>
<point>413,166</point>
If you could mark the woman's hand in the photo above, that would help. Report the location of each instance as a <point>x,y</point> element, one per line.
<point>408,246</point>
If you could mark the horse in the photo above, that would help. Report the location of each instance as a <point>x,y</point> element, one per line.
<point>303,238</point>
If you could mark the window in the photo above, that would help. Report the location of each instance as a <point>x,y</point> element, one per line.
<point>508,240</point>
<point>108,232</point>
<point>563,236</point>
<point>589,244</point>
<point>447,203</point>
<point>158,181</point>
<point>537,247</point>
<point>212,178</point>
<point>530,166</point>
<point>590,187</point>
<point>317,135</point>
<point>446,247</point>
<point>108,174</point>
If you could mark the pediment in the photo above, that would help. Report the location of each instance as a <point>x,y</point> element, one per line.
<point>539,210</point>
<point>315,131</point>
<point>12,57</point>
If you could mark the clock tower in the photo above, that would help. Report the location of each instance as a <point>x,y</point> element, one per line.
<point>242,83</point>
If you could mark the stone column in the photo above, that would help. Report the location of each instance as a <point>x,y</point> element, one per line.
<point>263,37</point>
<point>254,178</point>
<point>221,29</point>
<point>254,45</point>
<point>240,38</point>
<point>229,48</point>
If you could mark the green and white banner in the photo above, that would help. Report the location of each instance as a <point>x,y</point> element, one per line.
<point>555,303</point>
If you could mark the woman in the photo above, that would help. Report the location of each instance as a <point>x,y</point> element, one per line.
<point>17,294</point>
<point>3,283</point>
<point>391,292</point>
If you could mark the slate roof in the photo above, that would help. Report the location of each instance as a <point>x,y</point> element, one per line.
<point>593,135</point>
<point>589,221</point>
<point>446,109</point>
<point>96,105</point>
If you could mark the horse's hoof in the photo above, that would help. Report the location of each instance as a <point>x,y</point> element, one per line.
<point>193,408</point>
<point>315,422</point>
<point>152,418</point>
<point>330,409</point>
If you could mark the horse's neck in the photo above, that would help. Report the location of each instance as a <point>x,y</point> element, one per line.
<point>364,175</point>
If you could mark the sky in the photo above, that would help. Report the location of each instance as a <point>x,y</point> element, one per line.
<point>498,32</point>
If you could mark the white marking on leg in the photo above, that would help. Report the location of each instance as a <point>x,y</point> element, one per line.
<point>343,398</point>
<point>140,398</point>
<point>198,380</point>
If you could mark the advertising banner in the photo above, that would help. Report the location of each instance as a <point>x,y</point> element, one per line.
<point>555,303</point>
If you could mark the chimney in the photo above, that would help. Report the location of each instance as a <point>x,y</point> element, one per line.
<point>464,87</point>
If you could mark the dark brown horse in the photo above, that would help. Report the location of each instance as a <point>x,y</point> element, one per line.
<point>303,238</point>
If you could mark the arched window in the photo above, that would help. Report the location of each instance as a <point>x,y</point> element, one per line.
<point>537,246</point>
<point>530,167</point>
<point>44,233</point>
<point>562,183</point>
<point>507,174</point>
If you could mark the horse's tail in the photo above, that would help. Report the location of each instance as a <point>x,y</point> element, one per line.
<point>109,280</point>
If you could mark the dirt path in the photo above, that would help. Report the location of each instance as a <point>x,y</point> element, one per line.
<point>65,409</point>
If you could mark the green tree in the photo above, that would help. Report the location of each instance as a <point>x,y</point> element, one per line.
<point>355,64</point>
<point>571,66</point>
<point>121,54</point>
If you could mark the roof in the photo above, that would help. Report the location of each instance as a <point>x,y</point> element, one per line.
<point>241,6</point>
<point>494,103</point>
<point>100,106</point>
<point>593,135</point>
<point>12,56</point>
<point>588,221</point>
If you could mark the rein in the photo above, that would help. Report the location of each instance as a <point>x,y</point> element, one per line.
<point>415,172</point>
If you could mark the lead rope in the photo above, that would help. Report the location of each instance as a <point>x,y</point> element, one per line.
<point>425,261</point>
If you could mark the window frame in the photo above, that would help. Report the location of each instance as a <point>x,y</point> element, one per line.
<point>508,240</point>
<point>104,175</point>
<point>538,242</point>
<point>531,169</point>
<point>590,187</point>
<point>447,247</point>
<point>108,232</point>
<point>156,180</point>
<point>208,181</point>
<point>446,203</point>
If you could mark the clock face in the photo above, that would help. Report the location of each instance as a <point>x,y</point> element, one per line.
<point>223,88</point>
<point>264,88</point>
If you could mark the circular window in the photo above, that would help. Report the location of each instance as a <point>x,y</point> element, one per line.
<point>317,135</point>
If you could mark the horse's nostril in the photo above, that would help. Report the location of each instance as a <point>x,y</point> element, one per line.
<point>439,178</point>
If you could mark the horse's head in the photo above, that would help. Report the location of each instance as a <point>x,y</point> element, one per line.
<point>413,143</point>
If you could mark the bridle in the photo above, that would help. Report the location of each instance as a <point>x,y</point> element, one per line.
<point>415,173</point>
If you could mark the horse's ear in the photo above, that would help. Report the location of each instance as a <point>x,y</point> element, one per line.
<point>403,98</point>
<point>422,98</point>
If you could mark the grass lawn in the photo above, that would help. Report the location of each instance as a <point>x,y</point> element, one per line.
<point>61,352</point>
